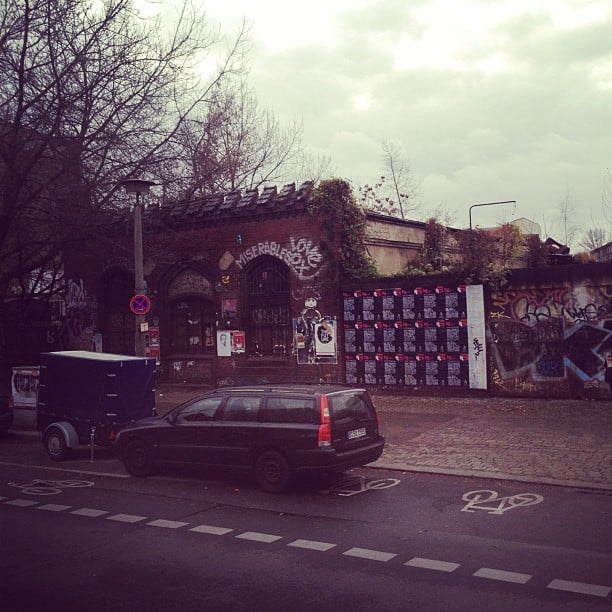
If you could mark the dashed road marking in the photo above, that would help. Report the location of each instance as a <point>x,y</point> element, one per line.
<point>363,553</point>
<point>53,507</point>
<point>126,518</point>
<point>311,545</point>
<point>211,529</point>
<point>580,587</point>
<point>494,574</point>
<point>254,536</point>
<point>91,512</point>
<point>167,524</point>
<point>21,503</point>
<point>432,564</point>
<point>366,553</point>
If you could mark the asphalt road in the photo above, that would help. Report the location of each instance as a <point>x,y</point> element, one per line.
<point>371,540</point>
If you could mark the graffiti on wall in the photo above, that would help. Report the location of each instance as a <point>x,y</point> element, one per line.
<point>302,255</point>
<point>426,336</point>
<point>551,340</point>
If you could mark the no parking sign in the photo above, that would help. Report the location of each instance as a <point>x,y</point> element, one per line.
<point>140,304</point>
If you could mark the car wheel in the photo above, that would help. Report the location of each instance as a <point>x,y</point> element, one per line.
<point>55,445</point>
<point>137,458</point>
<point>273,472</point>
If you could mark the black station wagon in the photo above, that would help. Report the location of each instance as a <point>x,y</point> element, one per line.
<point>276,432</point>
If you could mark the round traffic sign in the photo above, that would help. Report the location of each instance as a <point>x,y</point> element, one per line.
<point>140,304</point>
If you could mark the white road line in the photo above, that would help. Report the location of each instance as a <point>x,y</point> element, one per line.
<point>580,587</point>
<point>21,503</point>
<point>53,507</point>
<point>493,574</point>
<point>365,553</point>
<point>259,537</point>
<point>92,512</point>
<point>211,529</point>
<point>432,564</point>
<point>126,518</point>
<point>311,545</point>
<point>167,524</point>
<point>73,470</point>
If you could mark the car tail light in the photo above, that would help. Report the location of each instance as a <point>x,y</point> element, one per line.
<point>325,423</point>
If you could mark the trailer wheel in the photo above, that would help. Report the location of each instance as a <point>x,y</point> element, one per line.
<point>55,445</point>
<point>137,458</point>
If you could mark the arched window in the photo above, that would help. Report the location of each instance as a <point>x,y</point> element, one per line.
<point>268,312</point>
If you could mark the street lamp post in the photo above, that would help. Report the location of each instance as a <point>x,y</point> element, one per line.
<point>489,204</point>
<point>138,186</point>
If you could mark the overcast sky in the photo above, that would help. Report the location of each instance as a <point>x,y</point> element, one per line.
<point>490,100</point>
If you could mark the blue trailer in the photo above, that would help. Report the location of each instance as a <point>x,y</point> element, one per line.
<point>86,398</point>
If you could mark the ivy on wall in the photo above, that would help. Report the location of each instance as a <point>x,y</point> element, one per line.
<point>344,222</point>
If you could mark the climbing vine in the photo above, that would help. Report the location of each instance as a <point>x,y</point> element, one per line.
<point>344,222</point>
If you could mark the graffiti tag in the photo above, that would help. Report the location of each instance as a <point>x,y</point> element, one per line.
<point>302,256</point>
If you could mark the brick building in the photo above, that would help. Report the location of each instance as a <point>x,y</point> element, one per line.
<point>243,286</point>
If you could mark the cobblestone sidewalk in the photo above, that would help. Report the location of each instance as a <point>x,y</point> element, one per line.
<point>567,443</point>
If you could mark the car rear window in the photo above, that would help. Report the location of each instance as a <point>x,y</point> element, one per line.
<point>350,405</point>
<point>289,410</point>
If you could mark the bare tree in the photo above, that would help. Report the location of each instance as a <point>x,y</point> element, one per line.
<point>569,229</point>
<point>234,144</point>
<point>606,198</point>
<point>90,94</point>
<point>396,191</point>
<point>594,238</point>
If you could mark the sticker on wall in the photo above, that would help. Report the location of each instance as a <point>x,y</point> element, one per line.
<point>224,343</point>
<point>230,342</point>
<point>238,341</point>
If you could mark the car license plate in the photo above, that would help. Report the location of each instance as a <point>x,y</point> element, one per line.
<point>356,433</point>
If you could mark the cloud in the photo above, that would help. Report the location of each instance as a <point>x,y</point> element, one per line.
<point>490,100</point>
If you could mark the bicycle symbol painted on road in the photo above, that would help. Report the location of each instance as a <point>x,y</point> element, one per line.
<point>490,502</point>
<point>353,485</point>
<point>49,487</point>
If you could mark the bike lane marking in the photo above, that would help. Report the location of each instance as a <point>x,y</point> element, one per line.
<point>580,587</point>
<point>495,574</point>
<point>432,564</point>
<point>312,545</point>
<point>366,553</point>
<point>90,512</point>
<point>53,507</point>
